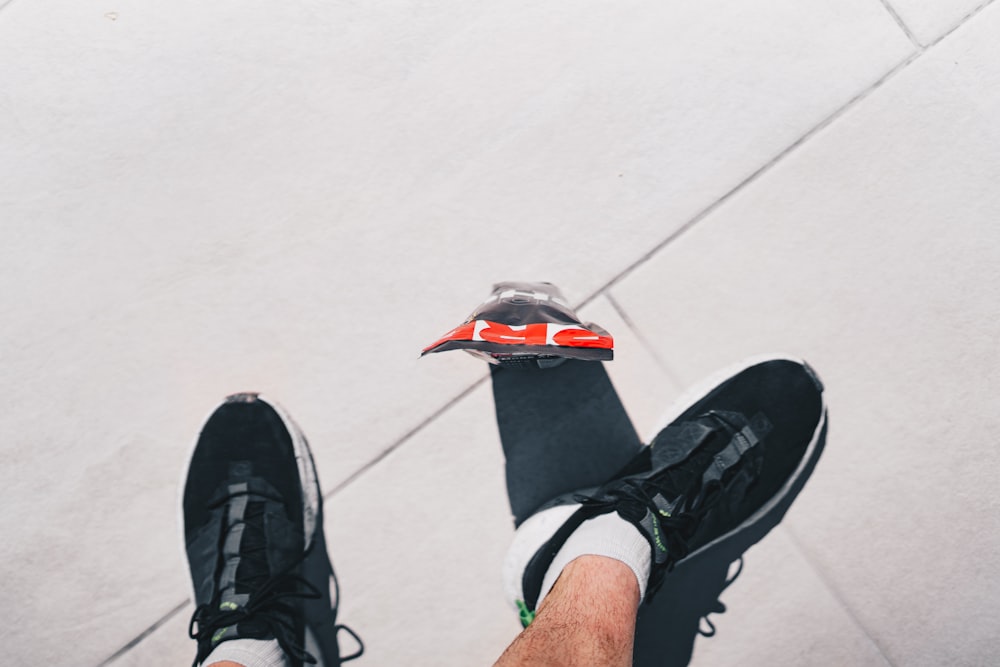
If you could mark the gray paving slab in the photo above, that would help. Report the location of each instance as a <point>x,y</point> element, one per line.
<point>930,21</point>
<point>872,251</point>
<point>198,200</point>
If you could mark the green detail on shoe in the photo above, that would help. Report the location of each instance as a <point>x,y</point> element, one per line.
<point>228,606</point>
<point>527,615</point>
<point>656,536</point>
<point>219,634</point>
<point>665,513</point>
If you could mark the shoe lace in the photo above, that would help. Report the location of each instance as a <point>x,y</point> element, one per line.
<point>636,495</point>
<point>269,597</point>
<point>675,530</point>
<point>339,626</point>
<point>718,607</point>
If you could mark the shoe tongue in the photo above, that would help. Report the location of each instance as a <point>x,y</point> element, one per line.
<point>253,569</point>
<point>675,443</point>
<point>681,452</point>
<point>260,542</point>
<point>245,551</point>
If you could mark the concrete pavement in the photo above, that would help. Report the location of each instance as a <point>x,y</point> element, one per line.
<point>295,199</point>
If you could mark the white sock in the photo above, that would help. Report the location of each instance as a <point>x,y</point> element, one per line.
<point>249,653</point>
<point>605,535</point>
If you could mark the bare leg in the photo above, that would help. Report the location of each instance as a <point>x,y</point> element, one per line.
<point>587,619</point>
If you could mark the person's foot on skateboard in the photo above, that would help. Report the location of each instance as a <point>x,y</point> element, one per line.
<point>727,460</point>
<point>253,530</point>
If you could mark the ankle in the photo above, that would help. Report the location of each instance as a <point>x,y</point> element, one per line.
<point>597,595</point>
<point>603,580</point>
<point>605,535</point>
<point>587,619</point>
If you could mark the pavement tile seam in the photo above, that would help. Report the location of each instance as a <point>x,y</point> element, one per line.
<point>902,24</point>
<point>835,592</point>
<point>434,416</point>
<point>971,15</point>
<point>755,176</point>
<point>145,633</point>
<point>664,366</point>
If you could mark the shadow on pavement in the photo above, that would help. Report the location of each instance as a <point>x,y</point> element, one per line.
<point>565,429</point>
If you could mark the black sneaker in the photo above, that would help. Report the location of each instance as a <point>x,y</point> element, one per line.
<point>735,453</point>
<point>253,530</point>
